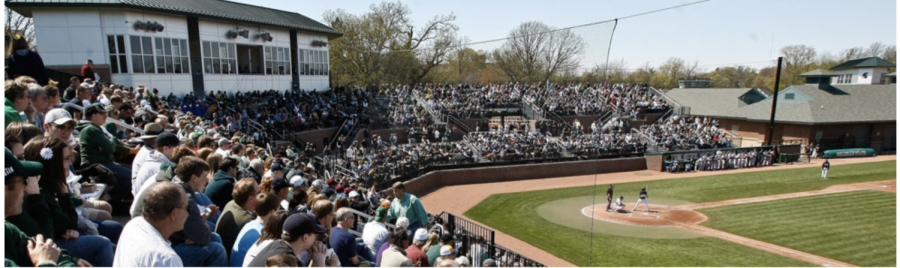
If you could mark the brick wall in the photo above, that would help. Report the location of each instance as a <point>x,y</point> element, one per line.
<point>435,180</point>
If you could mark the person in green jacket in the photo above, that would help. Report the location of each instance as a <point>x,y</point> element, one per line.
<point>409,206</point>
<point>55,154</point>
<point>16,101</point>
<point>98,146</point>
<point>220,189</point>
<point>19,249</point>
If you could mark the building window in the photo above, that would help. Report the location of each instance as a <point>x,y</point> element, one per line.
<point>313,62</point>
<point>278,60</point>
<point>171,56</point>
<point>141,54</point>
<point>117,57</point>
<point>219,58</point>
<point>789,96</point>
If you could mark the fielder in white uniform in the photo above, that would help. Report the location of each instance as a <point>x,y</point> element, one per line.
<point>643,199</point>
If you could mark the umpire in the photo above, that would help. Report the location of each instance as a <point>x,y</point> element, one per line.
<point>609,198</point>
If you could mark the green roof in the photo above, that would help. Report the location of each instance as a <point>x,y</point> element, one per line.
<point>216,9</point>
<point>863,63</point>
<point>811,105</point>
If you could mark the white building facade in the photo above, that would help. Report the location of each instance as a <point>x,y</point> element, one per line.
<point>184,46</point>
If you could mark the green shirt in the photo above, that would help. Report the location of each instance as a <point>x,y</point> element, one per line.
<point>16,252</point>
<point>433,253</point>
<point>409,207</point>
<point>95,146</point>
<point>12,115</point>
<point>231,222</point>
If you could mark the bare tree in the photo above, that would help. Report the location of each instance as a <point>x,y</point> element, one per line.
<point>535,52</point>
<point>875,49</point>
<point>383,45</point>
<point>890,54</point>
<point>21,25</point>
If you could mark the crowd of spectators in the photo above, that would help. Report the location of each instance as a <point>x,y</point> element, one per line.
<point>720,160</point>
<point>682,133</point>
<point>470,101</point>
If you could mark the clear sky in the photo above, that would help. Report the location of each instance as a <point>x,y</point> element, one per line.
<point>713,33</point>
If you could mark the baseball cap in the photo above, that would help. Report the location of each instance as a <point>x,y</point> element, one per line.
<point>318,184</point>
<point>402,222</point>
<point>16,167</point>
<point>446,238</point>
<point>279,183</point>
<point>339,189</point>
<point>347,190</point>
<point>196,136</point>
<point>331,181</point>
<point>58,117</point>
<point>446,251</point>
<point>489,263</point>
<point>380,213</point>
<point>421,235</point>
<point>224,141</point>
<point>328,192</point>
<point>274,167</point>
<point>301,224</point>
<point>463,261</point>
<point>152,130</point>
<point>353,194</point>
<point>167,138</point>
<point>297,181</point>
<point>93,109</point>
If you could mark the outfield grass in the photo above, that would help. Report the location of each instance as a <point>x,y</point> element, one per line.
<point>853,227</point>
<point>514,214</point>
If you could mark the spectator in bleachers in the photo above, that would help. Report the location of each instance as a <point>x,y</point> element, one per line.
<point>270,232</point>
<point>17,101</point>
<point>40,105</point>
<point>166,173</point>
<point>56,156</point>
<point>407,205</point>
<point>165,147</point>
<point>414,251</point>
<point>375,232</point>
<point>437,251</point>
<point>59,124</point>
<point>299,235</point>
<point>21,250</point>
<point>343,242</point>
<point>395,255</point>
<point>99,147</point>
<point>25,62</point>
<point>237,212</point>
<point>220,189</point>
<point>266,206</point>
<point>196,244</point>
<point>164,213</point>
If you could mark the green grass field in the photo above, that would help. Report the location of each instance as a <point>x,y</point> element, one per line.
<point>854,227</point>
<point>515,214</point>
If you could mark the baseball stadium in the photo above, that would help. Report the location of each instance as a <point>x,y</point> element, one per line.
<point>240,133</point>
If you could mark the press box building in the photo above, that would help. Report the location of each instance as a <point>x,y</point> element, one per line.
<point>182,46</point>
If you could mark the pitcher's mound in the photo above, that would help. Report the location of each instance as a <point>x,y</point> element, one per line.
<point>658,216</point>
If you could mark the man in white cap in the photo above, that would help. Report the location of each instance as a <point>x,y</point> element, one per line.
<point>414,251</point>
<point>298,184</point>
<point>224,148</point>
<point>446,256</point>
<point>59,124</point>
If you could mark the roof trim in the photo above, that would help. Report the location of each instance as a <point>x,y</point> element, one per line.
<point>870,62</point>
<point>25,8</point>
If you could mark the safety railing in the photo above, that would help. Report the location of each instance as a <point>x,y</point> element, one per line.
<point>474,236</point>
